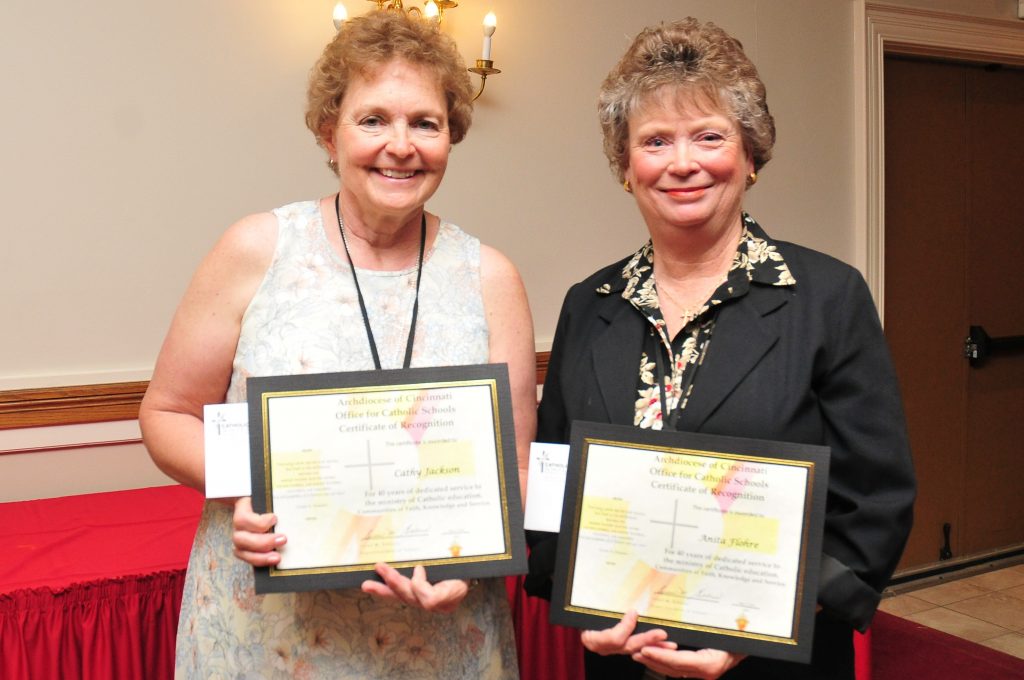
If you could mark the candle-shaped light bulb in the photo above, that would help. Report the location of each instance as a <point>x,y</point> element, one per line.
<point>340,15</point>
<point>431,11</point>
<point>490,23</point>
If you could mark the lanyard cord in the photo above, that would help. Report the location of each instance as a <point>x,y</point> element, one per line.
<point>359,293</point>
<point>669,420</point>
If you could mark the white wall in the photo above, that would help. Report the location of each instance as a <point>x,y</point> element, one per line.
<point>136,132</point>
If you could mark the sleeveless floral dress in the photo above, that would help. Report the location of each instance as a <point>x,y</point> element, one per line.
<point>305,318</point>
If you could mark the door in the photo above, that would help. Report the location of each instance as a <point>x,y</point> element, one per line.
<point>954,257</point>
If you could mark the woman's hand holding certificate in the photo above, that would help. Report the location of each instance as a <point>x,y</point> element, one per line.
<point>443,596</point>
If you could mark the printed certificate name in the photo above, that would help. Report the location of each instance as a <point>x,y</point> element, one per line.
<point>716,540</point>
<point>414,466</point>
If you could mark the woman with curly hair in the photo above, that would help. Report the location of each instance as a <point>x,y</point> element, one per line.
<point>713,326</point>
<point>364,278</point>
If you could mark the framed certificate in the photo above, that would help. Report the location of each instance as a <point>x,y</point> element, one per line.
<point>411,466</point>
<point>716,540</point>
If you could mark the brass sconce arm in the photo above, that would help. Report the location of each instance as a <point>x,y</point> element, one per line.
<point>483,68</point>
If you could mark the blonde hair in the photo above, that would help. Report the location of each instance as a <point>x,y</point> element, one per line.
<point>372,40</point>
<point>698,60</point>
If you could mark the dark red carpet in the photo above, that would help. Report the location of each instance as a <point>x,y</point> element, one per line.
<point>904,650</point>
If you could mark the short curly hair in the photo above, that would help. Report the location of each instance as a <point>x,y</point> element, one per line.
<point>698,59</point>
<point>369,41</point>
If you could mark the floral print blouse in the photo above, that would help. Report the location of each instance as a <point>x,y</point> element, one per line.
<point>677,360</point>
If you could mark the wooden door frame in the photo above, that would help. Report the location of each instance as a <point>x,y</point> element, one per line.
<point>902,30</point>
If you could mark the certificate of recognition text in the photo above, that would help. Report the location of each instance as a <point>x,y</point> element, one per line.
<point>410,473</point>
<point>714,539</point>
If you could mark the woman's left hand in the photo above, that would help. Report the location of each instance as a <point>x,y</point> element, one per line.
<point>706,664</point>
<point>443,596</point>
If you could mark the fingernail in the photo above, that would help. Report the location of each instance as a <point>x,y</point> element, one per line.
<point>279,540</point>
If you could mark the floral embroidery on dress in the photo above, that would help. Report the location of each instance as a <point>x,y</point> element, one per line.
<point>757,259</point>
<point>305,318</point>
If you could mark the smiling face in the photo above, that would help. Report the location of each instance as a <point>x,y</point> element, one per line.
<point>391,142</point>
<point>687,164</point>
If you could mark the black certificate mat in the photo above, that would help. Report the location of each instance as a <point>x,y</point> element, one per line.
<point>716,540</point>
<point>410,467</point>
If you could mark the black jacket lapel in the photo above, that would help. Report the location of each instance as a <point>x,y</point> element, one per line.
<point>617,379</point>
<point>742,337</point>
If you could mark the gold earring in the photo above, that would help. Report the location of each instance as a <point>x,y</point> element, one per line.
<point>625,185</point>
<point>752,179</point>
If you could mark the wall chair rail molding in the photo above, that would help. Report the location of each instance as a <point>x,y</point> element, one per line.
<point>921,32</point>
<point>70,405</point>
<point>80,404</point>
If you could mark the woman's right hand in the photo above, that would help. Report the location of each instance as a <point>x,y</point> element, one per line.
<point>252,538</point>
<point>620,639</point>
<point>443,596</point>
<point>654,650</point>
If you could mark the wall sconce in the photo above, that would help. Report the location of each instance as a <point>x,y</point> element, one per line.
<point>433,10</point>
<point>484,66</point>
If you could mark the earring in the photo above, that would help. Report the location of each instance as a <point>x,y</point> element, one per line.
<point>332,164</point>
<point>752,179</point>
<point>625,185</point>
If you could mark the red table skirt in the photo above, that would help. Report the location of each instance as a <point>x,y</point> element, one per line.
<point>116,628</point>
<point>93,585</point>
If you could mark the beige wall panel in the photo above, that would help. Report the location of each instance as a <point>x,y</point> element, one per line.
<point>136,132</point>
<point>63,461</point>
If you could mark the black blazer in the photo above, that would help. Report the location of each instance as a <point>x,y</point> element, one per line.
<point>805,363</point>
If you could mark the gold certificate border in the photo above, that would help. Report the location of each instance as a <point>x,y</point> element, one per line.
<point>491,383</point>
<point>810,468</point>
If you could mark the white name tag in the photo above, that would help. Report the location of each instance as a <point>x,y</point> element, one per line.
<point>546,486</point>
<point>226,448</point>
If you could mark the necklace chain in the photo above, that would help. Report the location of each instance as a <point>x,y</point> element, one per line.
<point>688,313</point>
